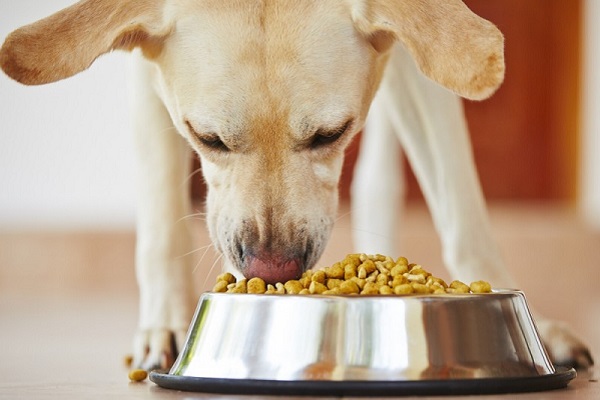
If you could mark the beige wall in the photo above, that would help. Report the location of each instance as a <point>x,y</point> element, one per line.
<point>66,152</point>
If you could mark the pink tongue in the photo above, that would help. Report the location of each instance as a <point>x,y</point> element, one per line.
<point>272,270</point>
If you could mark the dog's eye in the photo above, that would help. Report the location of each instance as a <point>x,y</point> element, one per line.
<point>212,142</point>
<point>324,137</point>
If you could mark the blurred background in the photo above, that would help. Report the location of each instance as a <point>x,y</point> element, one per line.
<point>67,171</point>
<point>66,152</point>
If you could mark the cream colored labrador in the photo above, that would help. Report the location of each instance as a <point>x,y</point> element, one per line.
<point>269,93</point>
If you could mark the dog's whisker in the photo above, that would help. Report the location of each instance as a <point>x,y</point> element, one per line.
<point>379,234</point>
<point>191,175</point>
<point>195,217</point>
<point>198,263</point>
<point>198,215</point>
<point>212,267</point>
<point>169,129</point>
<point>196,250</point>
<point>205,252</point>
<point>206,248</point>
<point>341,216</point>
<point>201,258</point>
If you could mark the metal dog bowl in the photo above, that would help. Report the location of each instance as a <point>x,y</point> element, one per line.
<point>363,346</point>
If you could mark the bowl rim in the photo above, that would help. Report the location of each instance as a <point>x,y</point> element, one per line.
<point>495,293</point>
<point>475,386</point>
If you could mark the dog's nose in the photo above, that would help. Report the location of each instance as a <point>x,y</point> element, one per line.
<point>273,268</point>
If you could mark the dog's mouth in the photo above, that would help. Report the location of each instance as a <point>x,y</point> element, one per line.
<point>273,269</point>
<point>274,266</point>
<point>275,249</point>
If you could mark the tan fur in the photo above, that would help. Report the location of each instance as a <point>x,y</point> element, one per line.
<point>69,41</point>
<point>266,77</point>
<point>451,45</point>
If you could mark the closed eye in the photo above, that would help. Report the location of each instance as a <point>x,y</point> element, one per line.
<point>209,140</point>
<point>213,142</point>
<point>324,137</point>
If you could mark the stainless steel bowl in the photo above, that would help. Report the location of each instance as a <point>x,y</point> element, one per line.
<point>387,340</point>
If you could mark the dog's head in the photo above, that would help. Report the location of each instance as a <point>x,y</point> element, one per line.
<point>269,93</point>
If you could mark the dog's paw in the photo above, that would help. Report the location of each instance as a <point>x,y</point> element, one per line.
<point>565,349</point>
<point>157,348</point>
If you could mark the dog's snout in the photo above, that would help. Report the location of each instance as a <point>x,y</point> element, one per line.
<point>276,240</point>
<point>274,252</point>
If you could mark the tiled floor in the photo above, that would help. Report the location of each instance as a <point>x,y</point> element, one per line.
<point>68,299</point>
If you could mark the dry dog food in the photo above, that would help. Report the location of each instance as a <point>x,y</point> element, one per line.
<point>356,274</point>
<point>138,375</point>
<point>128,360</point>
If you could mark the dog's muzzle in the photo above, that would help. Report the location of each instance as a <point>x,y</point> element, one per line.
<point>275,252</point>
<point>276,259</point>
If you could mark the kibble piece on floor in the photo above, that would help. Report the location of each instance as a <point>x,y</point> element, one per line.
<point>138,375</point>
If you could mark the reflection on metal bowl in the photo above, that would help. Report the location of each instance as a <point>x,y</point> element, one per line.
<point>378,339</point>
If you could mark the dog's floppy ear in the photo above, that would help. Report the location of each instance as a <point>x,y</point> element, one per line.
<point>450,44</point>
<point>69,41</point>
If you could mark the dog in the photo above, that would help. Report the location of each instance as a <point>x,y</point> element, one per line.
<point>269,93</point>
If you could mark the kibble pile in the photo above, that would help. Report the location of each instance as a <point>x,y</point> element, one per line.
<point>356,274</point>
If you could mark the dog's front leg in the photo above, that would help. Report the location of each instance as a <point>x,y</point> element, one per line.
<point>378,187</point>
<point>433,131</point>
<point>163,239</point>
<point>430,123</point>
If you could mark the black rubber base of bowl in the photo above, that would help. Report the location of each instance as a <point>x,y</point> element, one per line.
<point>558,380</point>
